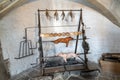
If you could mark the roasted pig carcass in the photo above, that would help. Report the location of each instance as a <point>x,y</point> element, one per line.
<point>65,56</point>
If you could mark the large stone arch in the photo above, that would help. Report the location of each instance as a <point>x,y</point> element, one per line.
<point>98,5</point>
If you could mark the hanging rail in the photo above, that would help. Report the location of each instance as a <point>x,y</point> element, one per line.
<point>61,10</point>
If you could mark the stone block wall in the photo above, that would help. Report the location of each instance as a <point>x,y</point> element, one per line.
<point>4,75</point>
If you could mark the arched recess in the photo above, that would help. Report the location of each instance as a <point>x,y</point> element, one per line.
<point>96,5</point>
<point>100,32</point>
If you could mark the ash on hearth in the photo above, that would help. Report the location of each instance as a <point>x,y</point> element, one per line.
<point>58,61</point>
<point>75,77</point>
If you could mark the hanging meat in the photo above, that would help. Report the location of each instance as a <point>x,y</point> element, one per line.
<point>47,14</point>
<point>71,15</point>
<point>63,15</point>
<point>56,15</point>
<point>63,40</point>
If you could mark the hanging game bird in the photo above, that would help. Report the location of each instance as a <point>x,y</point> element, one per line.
<point>47,14</point>
<point>63,15</point>
<point>56,15</point>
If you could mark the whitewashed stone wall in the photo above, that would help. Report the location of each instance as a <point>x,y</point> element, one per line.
<point>104,36</point>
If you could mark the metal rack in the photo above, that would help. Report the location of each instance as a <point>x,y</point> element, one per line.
<point>85,45</point>
<point>25,48</point>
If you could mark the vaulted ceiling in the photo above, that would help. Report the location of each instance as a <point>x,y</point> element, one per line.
<point>108,8</point>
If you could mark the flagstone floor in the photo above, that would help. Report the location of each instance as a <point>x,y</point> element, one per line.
<point>34,74</point>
